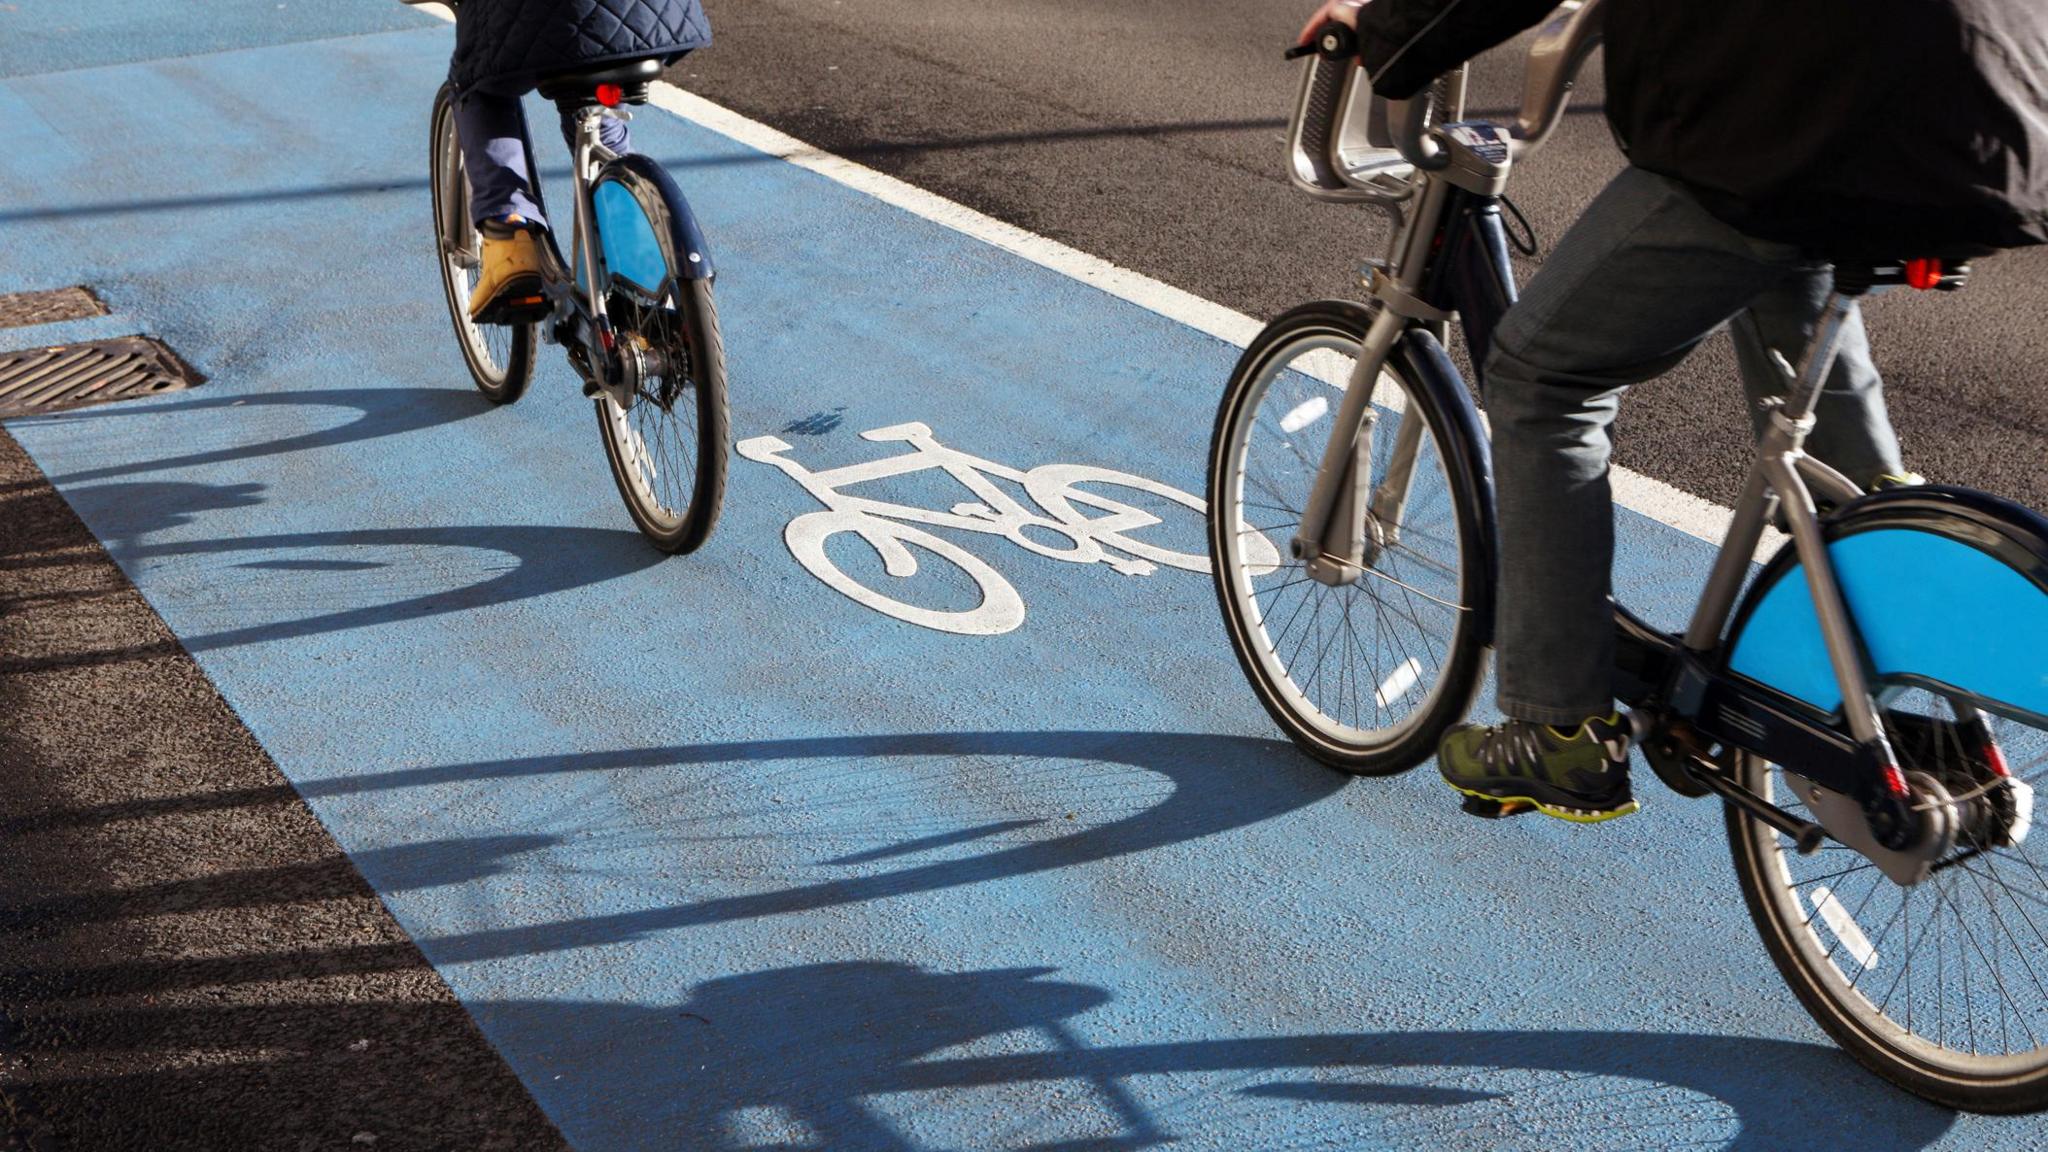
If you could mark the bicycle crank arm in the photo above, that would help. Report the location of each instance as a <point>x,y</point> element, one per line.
<point>1806,835</point>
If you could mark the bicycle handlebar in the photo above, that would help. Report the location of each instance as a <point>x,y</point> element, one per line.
<point>1407,123</point>
<point>1560,49</point>
<point>1406,119</point>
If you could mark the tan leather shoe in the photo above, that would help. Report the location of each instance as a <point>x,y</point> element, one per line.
<point>509,289</point>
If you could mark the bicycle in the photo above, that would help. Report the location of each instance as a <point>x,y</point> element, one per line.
<point>888,527</point>
<point>647,346</point>
<point>1873,737</point>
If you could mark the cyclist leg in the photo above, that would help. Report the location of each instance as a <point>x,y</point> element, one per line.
<point>1630,290</point>
<point>1852,432</point>
<point>492,129</point>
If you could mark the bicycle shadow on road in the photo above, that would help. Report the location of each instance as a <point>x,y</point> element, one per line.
<point>1207,785</point>
<point>880,1056</point>
<point>404,867</point>
<point>380,412</point>
<point>804,1053</point>
<point>313,583</point>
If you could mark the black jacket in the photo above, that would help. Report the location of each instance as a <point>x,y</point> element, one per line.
<point>506,45</point>
<point>1861,129</point>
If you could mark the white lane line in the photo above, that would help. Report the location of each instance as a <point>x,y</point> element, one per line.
<point>1650,497</point>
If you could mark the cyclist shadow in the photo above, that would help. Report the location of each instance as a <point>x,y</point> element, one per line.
<point>801,1056</point>
<point>379,412</point>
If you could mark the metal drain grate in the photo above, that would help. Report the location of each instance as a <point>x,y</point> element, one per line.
<point>75,375</point>
<point>23,309</point>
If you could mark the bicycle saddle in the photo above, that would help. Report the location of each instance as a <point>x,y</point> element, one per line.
<point>632,76</point>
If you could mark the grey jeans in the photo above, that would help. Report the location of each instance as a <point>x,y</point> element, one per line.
<point>1634,286</point>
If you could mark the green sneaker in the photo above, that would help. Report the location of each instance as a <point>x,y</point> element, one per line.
<point>1513,767</point>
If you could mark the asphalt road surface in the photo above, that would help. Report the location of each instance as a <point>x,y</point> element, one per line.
<point>1151,133</point>
<point>146,832</point>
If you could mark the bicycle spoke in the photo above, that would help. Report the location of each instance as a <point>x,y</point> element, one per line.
<point>1954,961</point>
<point>1997,977</point>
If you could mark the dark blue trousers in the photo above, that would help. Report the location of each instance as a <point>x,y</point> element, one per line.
<point>492,128</point>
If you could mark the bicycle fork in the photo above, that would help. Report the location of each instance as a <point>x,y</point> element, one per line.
<point>1347,523</point>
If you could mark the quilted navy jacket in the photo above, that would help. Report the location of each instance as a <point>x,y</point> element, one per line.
<point>507,45</point>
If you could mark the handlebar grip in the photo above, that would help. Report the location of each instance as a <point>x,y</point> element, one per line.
<point>1333,41</point>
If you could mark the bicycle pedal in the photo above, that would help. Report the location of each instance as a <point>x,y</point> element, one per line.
<point>1487,808</point>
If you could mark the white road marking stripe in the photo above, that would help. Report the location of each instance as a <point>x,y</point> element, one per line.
<point>1306,413</point>
<point>1653,498</point>
<point>1398,685</point>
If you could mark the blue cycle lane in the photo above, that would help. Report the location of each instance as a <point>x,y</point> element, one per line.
<point>720,858</point>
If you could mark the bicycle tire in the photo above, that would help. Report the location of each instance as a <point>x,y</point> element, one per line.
<point>1433,696</point>
<point>677,321</point>
<point>499,356</point>
<point>1871,1029</point>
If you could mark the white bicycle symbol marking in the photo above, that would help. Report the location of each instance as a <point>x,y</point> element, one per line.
<point>890,529</point>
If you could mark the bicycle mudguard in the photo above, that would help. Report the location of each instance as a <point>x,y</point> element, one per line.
<point>626,234</point>
<point>1465,448</point>
<point>1948,588</point>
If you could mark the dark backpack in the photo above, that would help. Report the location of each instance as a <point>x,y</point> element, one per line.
<point>1861,129</point>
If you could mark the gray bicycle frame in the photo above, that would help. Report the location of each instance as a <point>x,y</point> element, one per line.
<point>590,156</point>
<point>586,302</point>
<point>1344,526</point>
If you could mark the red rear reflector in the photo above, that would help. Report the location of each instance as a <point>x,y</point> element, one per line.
<point>609,95</point>
<point>1923,274</point>
<point>1895,780</point>
<point>1994,758</point>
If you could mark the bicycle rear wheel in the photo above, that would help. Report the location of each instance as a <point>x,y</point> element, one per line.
<point>1365,676</point>
<point>667,449</point>
<point>1942,987</point>
<point>499,356</point>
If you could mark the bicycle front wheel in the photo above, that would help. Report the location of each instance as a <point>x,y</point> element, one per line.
<point>499,356</point>
<point>1941,987</point>
<point>667,448</point>
<point>1364,676</point>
